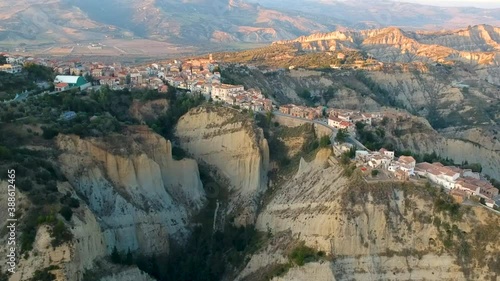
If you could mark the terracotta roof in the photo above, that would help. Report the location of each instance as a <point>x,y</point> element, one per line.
<point>406,159</point>
<point>335,119</point>
<point>61,85</point>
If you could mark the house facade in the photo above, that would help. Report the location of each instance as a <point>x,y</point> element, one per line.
<point>12,69</point>
<point>223,90</point>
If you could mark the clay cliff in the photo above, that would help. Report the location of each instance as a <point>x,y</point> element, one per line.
<point>137,198</point>
<point>380,231</point>
<point>140,194</point>
<point>229,142</point>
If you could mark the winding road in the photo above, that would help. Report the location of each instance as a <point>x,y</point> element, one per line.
<point>334,130</point>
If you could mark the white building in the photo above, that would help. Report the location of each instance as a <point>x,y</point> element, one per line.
<point>338,123</point>
<point>440,175</point>
<point>12,69</point>
<point>387,153</point>
<point>223,90</point>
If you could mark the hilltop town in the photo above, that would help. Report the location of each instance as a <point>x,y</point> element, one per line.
<point>202,76</point>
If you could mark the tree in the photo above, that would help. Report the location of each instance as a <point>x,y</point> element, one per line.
<point>375,173</point>
<point>66,212</point>
<point>49,133</point>
<point>128,79</point>
<point>305,94</point>
<point>482,201</point>
<point>5,153</point>
<point>269,117</point>
<point>3,60</point>
<point>324,141</point>
<point>115,256</point>
<point>341,136</point>
<point>43,275</point>
<point>88,77</point>
<point>129,259</point>
<point>360,126</point>
<point>345,159</point>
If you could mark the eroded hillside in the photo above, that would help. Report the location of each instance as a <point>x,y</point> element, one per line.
<point>460,106</point>
<point>228,141</point>
<point>128,195</point>
<point>480,44</point>
<point>386,231</point>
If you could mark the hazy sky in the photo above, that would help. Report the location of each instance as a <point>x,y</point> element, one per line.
<point>488,4</point>
<point>479,3</point>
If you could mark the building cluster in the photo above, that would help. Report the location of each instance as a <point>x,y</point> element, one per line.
<point>66,82</point>
<point>462,182</point>
<point>337,118</point>
<point>14,63</point>
<point>305,112</point>
<point>402,168</point>
<point>346,119</point>
<point>237,95</point>
<point>195,75</point>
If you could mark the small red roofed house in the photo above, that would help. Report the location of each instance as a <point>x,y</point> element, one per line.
<point>408,160</point>
<point>61,87</point>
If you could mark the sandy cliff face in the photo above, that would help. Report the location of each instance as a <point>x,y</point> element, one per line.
<point>72,259</point>
<point>382,232</point>
<point>134,196</point>
<point>141,196</point>
<point>227,141</point>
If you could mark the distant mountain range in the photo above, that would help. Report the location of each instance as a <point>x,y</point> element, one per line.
<point>365,14</point>
<point>221,22</point>
<point>477,44</point>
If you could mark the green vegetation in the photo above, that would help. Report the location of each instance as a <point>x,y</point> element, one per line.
<point>178,153</point>
<point>206,256</point>
<point>302,254</point>
<point>280,55</point>
<point>4,276</point>
<point>342,135</point>
<point>179,105</point>
<point>329,93</point>
<point>44,274</point>
<point>98,114</point>
<point>11,84</point>
<point>122,258</point>
<point>66,212</point>
<point>482,201</point>
<point>307,96</point>
<point>37,72</point>
<point>373,139</point>
<point>324,141</point>
<point>375,173</point>
<point>298,256</point>
<point>278,270</point>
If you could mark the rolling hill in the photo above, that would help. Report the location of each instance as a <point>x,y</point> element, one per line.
<point>219,23</point>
